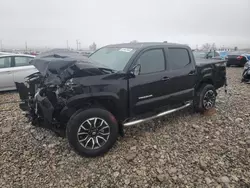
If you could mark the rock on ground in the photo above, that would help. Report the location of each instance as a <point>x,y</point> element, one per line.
<point>180,150</point>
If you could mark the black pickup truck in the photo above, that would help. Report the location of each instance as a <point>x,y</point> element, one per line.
<point>91,99</point>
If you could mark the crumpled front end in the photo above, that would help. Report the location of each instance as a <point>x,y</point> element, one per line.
<point>44,94</point>
<point>41,104</point>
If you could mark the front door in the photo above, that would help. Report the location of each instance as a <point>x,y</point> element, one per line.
<point>22,68</point>
<point>6,77</point>
<point>147,88</point>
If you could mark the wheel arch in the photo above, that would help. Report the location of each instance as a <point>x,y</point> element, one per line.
<point>109,103</point>
<point>205,80</point>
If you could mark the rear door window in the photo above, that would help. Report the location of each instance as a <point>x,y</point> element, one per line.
<point>22,61</point>
<point>5,62</point>
<point>178,58</point>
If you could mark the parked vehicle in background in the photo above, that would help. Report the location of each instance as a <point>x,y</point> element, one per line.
<point>14,68</point>
<point>5,53</point>
<point>246,70</point>
<point>120,85</point>
<point>223,54</point>
<point>212,54</point>
<point>85,52</point>
<point>236,58</point>
<point>199,54</point>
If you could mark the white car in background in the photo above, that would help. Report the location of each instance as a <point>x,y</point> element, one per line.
<point>14,67</point>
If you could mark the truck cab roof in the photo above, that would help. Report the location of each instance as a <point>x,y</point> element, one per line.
<point>141,45</point>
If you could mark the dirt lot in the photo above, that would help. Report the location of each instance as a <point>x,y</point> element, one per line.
<point>182,150</point>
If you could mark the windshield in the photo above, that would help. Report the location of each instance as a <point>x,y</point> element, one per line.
<point>113,57</point>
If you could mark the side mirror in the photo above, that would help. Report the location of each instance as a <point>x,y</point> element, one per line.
<point>136,69</point>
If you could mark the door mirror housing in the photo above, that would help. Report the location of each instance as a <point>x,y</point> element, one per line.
<point>136,70</point>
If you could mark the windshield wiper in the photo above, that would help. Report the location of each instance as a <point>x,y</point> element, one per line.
<point>108,70</point>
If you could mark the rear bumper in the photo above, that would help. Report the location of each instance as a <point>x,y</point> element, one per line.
<point>236,62</point>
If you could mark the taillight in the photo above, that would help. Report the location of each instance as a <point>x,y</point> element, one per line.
<point>239,57</point>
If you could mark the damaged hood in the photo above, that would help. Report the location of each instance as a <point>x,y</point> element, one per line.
<point>65,64</point>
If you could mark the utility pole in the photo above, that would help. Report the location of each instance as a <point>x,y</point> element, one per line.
<point>1,45</point>
<point>77,43</point>
<point>26,47</point>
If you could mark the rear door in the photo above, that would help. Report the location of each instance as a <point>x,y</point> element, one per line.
<point>22,68</point>
<point>6,77</point>
<point>181,75</point>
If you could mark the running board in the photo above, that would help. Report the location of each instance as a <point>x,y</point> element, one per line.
<point>156,116</point>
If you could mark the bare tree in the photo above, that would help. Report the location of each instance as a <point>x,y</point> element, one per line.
<point>206,46</point>
<point>93,46</point>
<point>213,46</point>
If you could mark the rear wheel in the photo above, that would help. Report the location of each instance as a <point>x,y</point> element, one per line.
<point>205,98</point>
<point>92,132</point>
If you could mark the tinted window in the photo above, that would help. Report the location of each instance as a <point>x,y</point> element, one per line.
<point>5,62</point>
<point>152,61</point>
<point>22,61</point>
<point>178,58</point>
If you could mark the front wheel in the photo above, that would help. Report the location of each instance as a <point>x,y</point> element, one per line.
<point>205,98</point>
<point>92,132</point>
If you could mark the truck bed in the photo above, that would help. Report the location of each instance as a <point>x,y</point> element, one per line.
<point>201,61</point>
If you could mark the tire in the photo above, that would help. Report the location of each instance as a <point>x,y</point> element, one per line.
<point>85,139</point>
<point>205,93</point>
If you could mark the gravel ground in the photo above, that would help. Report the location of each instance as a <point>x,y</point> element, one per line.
<point>182,150</point>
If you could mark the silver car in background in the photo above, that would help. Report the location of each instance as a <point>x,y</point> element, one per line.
<point>14,67</point>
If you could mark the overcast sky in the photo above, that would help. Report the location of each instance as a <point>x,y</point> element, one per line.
<point>52,22</point>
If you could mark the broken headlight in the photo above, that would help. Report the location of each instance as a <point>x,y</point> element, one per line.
<point>69,82</point>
